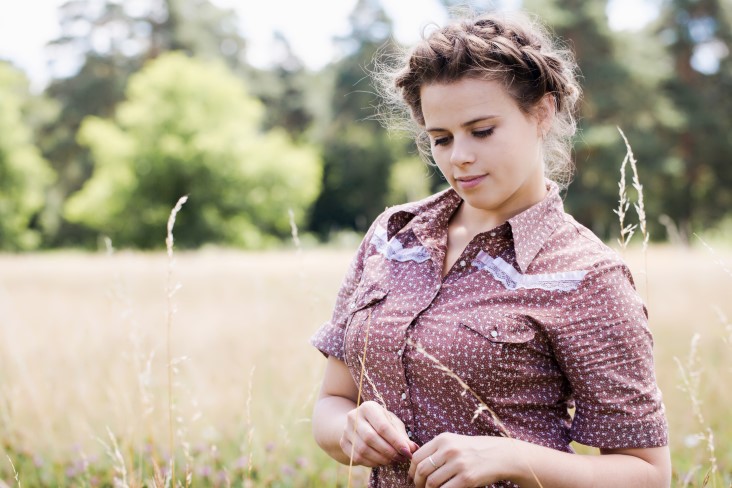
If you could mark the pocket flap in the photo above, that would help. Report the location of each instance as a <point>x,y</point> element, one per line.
<point>504,329</point>
<point>368,297</point>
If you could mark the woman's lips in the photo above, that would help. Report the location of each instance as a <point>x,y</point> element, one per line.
<point>468,182</point>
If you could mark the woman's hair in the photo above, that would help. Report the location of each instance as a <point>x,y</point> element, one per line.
<point>515,51</point>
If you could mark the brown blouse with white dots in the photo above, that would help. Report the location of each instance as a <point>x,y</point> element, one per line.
<point>537,316</point>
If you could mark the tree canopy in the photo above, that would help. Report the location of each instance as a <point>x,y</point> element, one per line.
<point>189,127</point>
<point>24,174</point>
<point>164,103</point>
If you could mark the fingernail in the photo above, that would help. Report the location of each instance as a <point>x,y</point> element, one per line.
<point>399,459</point>
<point>405,452</point>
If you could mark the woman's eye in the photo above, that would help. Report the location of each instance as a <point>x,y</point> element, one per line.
<point>440,141</point>
<point>484,132</point>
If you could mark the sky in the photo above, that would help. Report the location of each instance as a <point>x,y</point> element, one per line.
<point>27,25</point>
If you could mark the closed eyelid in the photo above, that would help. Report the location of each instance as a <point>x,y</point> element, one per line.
<point>465,125</point>
<point>440,140</point>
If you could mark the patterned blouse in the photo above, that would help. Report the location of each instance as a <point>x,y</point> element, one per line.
<point>537,316</point>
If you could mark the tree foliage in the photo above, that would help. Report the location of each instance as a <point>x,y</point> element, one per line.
<point>620,77</point>
<point>698,38</point>
<point>358,153</point>
<point>24,174</point>
<point>126,156</point>
<point>110,40</point>
<point>189,127</point>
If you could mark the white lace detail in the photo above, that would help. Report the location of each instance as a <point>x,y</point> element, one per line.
<point>393,249</point>
<point>512,279</point>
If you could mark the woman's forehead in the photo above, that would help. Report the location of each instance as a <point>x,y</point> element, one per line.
<point>464,100</point>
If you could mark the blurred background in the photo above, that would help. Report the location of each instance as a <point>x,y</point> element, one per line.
<point>111,110</point>
<point>129,368</point>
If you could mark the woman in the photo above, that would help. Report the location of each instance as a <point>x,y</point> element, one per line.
<point>472,322</point>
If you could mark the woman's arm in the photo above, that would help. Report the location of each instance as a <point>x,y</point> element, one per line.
<point>464,461</point>
<point>375,436</point>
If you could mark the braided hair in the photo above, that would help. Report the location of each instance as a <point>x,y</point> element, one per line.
<point>514,51</point>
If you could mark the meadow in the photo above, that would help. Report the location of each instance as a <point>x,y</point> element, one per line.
<point>84,365</point>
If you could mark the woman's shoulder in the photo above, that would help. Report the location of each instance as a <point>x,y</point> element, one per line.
<point>578,245</point>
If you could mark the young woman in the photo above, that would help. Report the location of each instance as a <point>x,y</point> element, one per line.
<point>494,282</point>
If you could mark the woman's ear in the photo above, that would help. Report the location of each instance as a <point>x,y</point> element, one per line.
<point>546,109</point>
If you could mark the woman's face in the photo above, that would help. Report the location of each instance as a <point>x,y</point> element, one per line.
<point>486,147</point>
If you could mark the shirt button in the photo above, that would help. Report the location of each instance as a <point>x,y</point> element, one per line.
<point>404,396</point>
<point>409,434</point>
<point>400,352</point>
<point>493,234</point>
<point>353,305</point>
<point>494,334</point>
<point>463,263</point>
<point>438,286</point>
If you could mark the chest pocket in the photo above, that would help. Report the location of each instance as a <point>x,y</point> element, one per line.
<point>362,311</point>
<point>491,354</point>
<point>503,330</point>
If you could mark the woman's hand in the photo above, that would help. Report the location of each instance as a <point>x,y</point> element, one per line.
<point>375,437</point>
<point>458,461</point>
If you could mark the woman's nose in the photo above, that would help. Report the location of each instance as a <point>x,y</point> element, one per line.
<point>462,152</point>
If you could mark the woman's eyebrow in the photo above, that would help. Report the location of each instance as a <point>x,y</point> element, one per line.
<point>465,124</point>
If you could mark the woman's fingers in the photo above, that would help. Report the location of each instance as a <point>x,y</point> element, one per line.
<point>390,428</point>
<point>374,436</point>
<point>363,455</point>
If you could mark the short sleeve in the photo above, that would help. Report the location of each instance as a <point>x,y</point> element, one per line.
<point>329,338</point>
<point>605,349</point>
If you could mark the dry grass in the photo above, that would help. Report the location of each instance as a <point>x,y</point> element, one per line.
<point>83,349</point>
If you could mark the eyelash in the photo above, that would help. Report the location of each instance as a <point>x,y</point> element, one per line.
<point>481,134</point>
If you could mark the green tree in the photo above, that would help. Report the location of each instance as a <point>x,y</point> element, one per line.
<point>284,90</point>
<point>24,174</point>
<point>109,40</point>
<point>189,127</point>
<point>621,75</point>
<point>698,37</point>
<point>358,153</point>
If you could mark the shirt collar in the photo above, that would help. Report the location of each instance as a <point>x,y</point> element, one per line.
<point>428,220</point>
<point>532,227</point>
<point>432,216</point>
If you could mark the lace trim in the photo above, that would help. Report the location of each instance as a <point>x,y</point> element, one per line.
<point>393,249</point>
<point>512,279</point>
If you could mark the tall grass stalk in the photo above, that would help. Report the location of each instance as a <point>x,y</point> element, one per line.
<point>639,206</point>
<point>358,397</point>
<point>482,406</point>
<point>171,290</point>
<point>250,426</point>
<point>373,385</point>
<point>691,373</point>
<point>626,231</point>
<point>726,324</point>
<point>120,467</point>
<point>293,229</point>
<point>17,476</point>
<point>717,260</point>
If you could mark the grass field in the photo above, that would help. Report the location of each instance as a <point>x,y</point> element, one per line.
<point>84,385</point>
